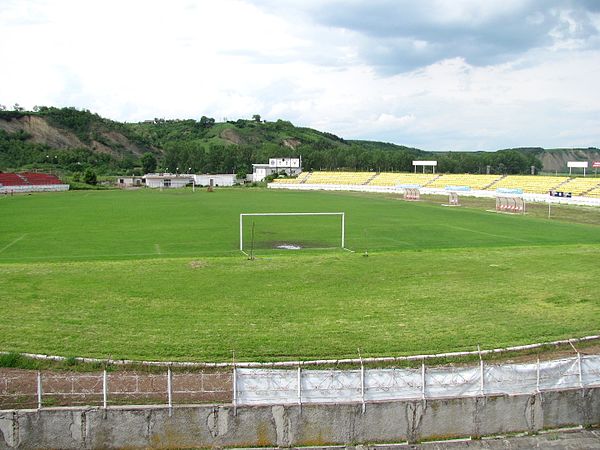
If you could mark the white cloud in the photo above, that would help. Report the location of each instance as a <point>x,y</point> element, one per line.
<point>138,59</point>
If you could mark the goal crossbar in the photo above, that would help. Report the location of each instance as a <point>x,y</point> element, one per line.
<point>341,214</point>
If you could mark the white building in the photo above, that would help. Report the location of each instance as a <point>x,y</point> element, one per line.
<point>126,182</point>
<point>223,179</point>
<point>168,180</point>
<point>291,166</point>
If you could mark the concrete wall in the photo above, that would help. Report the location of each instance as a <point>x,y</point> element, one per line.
<point>34,188</point>
<point>217,426</point>
<point>218,179</point>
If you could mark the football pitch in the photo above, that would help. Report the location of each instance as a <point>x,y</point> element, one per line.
<point>159,276</point>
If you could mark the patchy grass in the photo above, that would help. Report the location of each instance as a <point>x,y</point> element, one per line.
<point>81,275</point>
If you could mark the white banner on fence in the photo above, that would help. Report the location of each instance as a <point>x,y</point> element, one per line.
<point>274,386</point>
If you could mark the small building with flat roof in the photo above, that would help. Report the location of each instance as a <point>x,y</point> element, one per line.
<point>289,166</point>
<point>168,180</point>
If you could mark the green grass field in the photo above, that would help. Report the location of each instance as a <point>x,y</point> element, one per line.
<point>158,275</point>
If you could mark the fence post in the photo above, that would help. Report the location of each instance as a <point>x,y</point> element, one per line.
<point>104,389</point>
<point>423,378</point>
<point>234,381</point>
<point>481,373</point>
<point>537,381</point>
<point>362,383</point>
<point>578,364</point>
<point>170,390</point>
<point>39,389</point>
<point>580,370</point>
<point>300,388</point>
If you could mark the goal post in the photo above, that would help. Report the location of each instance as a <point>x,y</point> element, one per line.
<point>336,236</point>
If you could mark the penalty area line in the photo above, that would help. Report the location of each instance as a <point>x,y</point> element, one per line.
<point>10,244</point>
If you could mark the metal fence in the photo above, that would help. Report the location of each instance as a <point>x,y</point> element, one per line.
<point>276,386</point>
<point>245,386</point>
<point>274,383</point>
<point>30,389</point>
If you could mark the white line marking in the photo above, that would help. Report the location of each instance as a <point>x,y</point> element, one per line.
<point>12,243</point>
<point>103,257</point>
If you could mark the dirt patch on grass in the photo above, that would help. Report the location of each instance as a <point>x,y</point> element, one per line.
<point>197,264</point>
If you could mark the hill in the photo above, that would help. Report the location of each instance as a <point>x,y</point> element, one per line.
<point>555,159</point>
<point>69,140</point>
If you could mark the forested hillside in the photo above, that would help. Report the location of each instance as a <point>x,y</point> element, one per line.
<point>69,140</point>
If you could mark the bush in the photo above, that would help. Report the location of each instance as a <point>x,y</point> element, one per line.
<point>89,177</point>
<point>148,162</point>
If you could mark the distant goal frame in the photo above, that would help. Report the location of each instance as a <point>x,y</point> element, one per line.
<point>341,214</point>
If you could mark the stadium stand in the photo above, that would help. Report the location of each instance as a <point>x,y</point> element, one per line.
<point>478,182</point>
<point>594,193</point>
<point>30,182</point>
<point>28,179</point>
<point>351,178</point>
<point>580,186</point>
<point>589,187</point>
<point>394,179</point>
<point>530,183</point>
<point>306,178</point>
<point>301,178</point>
<point>286,180</point>
<point>12,179</point>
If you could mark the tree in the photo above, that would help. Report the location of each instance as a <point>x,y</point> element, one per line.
<point>206,122</point>
<point>89,177</point>
<point>256,117</point>
<point>18,107</point>
<point>148,162</point>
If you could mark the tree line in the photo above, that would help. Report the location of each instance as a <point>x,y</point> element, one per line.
<point>201,146</point>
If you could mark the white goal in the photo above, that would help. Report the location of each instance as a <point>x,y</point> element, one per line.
<point>292,231</point>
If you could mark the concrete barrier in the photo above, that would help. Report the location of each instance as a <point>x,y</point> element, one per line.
<point>34,188</point>
<point>284,426</point>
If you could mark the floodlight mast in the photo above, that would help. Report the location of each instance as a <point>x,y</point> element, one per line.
<point>342,214</point>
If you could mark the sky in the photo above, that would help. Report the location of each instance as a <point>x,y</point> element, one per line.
<point>458,75</point>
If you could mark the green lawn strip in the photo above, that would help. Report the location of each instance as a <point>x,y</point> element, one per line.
<point>302,305</point>
<point>145,224</point>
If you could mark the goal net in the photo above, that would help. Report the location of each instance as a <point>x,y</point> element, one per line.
<point>292,231</point>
